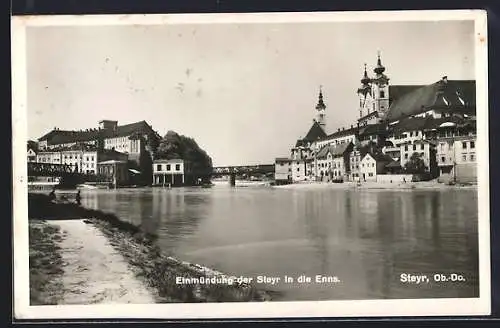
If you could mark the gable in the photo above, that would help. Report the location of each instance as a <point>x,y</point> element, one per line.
<point>316,132</point>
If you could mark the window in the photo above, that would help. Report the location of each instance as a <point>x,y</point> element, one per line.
<point>373,164</point>
<point>406,156</point>
<point>411,134</point>
<point>168,167</point>
<point>442,146</point>
<point>422,147</point>
<point>414,147</point>
<point>158,167</point>
<point>177,167</point>
<point>281,164</point>
<point>464,158</point>
<point>464,145</point>
<point>298,169</point>
<point>382,94</point>
<point>443,159</point>
<point>472,145</point>
<point>472,158</point>
<point>92,158</point>
<point>422,154</point>
<point>406,148</point>
<point>370,174</point>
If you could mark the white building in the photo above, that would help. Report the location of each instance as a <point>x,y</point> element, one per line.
<point>282,170</point>
<point>31,155</point>
<point>171,172</point>
<point>373,164</point>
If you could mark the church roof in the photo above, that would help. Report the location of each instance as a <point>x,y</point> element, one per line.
<point>444,95</point>
<point>316,132</point>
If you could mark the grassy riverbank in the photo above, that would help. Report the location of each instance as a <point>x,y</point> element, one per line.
<point>156,270</point>
<point>45,264</point>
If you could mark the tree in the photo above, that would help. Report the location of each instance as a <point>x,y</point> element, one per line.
<point>175,146</point>
<point>415,165</point>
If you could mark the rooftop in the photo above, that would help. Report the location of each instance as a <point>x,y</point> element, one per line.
<point>57,136</point>
<point>456,95</point>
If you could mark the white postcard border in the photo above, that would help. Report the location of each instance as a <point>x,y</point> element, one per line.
<point>357,308</point>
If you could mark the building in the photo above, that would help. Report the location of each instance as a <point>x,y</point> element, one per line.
<point>444,98</point>
<point>283,170</point>
<point>332,162</point>
<point>138,140</point>
<point>31,155</point>
<point>172,172</point>
<point>81,158</point>
<point>426,149</point>
<point>372,165</point>
<point>341,136</point>
<point>113,171</point>
<point>373,96</point>
<point>456,152</point>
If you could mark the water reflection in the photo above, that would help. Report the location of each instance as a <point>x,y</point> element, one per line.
<point>366,238</point>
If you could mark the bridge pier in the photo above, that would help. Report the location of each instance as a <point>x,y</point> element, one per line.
<point>232,180</point>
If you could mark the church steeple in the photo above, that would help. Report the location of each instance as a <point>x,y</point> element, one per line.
<point>365,84</point>
<point>321,105</point>
<point>379,69</point>
<point>320,108</point>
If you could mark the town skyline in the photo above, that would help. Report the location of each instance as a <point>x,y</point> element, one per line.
<point>245,93</point>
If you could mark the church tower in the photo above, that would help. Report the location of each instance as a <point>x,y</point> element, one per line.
<point>365,96</point>
<point>320,110</point>
<point>380,89</point>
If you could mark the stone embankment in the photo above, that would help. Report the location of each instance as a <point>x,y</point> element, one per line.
<point>83,256</point>
<point>424,185</point>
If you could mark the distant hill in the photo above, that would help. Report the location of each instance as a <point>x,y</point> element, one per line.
<point>175,146</point>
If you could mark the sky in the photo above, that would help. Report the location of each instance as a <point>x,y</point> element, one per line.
<point>244,92</point>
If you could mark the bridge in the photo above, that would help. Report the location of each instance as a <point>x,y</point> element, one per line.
<point>241,170</point>
<point>48,170</point>
<point>246,170</point>
<point>68,177</point>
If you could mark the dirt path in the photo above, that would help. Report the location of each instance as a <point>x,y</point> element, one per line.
<point>94,272</point>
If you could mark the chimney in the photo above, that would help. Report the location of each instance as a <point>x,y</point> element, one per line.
<point>352,126</point>
<point>343,128</point>
<point>338,130</point>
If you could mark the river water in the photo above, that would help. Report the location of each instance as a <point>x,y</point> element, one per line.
<point>365,238</point>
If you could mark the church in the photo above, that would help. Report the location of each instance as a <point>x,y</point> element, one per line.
<point>383,109</point>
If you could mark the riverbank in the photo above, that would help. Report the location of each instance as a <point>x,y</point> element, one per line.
<point>155,273</point>
<point>45,263</point>
<point>423,185</point>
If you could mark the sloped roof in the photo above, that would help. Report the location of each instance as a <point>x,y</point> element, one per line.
<point>394,164</point>
<point>397,91</point>
<point>372,129</point>
<point>282,159</point>
<point>380,157</point>
<point>316,132</point>
<point>409,124</point>
<point>66,136</point>
<point>337,150</point>
<point>342,133</point>
<point>453,94</point>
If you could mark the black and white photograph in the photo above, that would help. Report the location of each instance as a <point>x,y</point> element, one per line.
<point>251,165</point>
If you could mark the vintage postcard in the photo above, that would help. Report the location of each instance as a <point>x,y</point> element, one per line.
<point>242,166</point>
